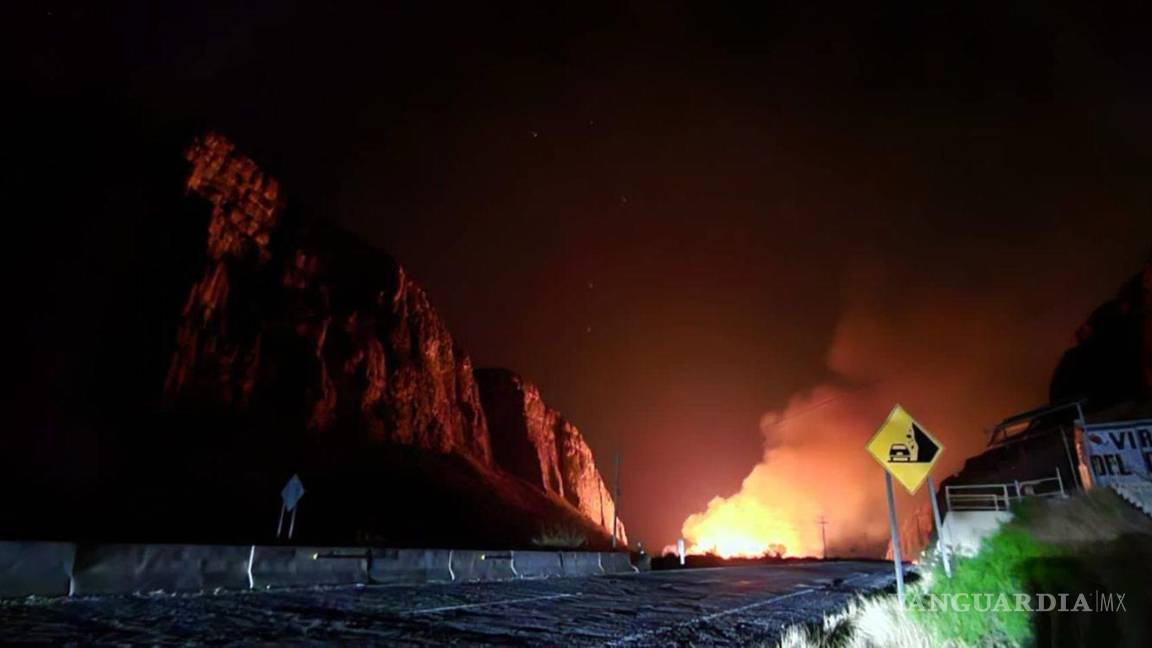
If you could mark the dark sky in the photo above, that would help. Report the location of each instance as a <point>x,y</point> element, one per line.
<point>665,214</point>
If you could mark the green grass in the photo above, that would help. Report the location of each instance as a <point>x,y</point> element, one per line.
<point>1085,543</point>
<point>1002,566</point>
<point>1082,544</point>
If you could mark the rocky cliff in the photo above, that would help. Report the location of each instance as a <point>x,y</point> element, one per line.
<point>325,326</point>
<point>1111,361</point>
<point>301,348</point>
<point>537,444</point>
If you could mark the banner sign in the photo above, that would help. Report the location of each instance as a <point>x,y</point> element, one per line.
<point>1116,453</point>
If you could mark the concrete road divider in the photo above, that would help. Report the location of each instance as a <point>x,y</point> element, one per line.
<point>537,564</point>
<point>482,565</point>
<point>410,565</point>
<point>616,562</point>
<point>124,568</point>
<point>40,568</point>
<point>289,566</point>
<point>580,563</point>
<point>59,568</point>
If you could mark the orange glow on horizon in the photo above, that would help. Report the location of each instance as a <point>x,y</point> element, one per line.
<point>742,527</point>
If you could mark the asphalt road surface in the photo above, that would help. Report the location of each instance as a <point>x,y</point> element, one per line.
<point>701,607</point>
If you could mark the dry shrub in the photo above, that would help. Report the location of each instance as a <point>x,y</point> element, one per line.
<point>560,537</point>
<point>867,622</point>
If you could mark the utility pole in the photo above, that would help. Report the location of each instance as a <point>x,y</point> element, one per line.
<point>616,501</point>
<point>823,522</point>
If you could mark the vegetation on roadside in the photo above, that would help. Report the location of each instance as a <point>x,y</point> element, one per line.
<point>871,621</point>
<point>880,621</point>
<point>560,537</point>
<point>1088,543</point>
<point>1001,567</point>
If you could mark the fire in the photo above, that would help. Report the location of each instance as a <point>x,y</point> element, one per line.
<point>741,527</point>
<point>815,486</point>
<point>809,470</point>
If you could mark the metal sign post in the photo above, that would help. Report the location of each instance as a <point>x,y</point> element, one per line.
<point>941,541</point>
<point>290,496</point>
<point>907,452</point>
<point>897,559</point>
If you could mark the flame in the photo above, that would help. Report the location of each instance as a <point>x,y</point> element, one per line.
<point>808,473</point>
<point>814,482</point>
<point>739,528</point>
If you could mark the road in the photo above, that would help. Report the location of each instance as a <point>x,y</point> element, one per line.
<point>721,606</point>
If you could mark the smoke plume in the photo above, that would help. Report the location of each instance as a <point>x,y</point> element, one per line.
<point>952,357</point>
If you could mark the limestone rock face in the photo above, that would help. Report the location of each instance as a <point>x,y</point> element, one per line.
<point>245,210</point>
<point>583,485</point>
<point>319,328</point>
<point>303,348</point>
<point>537,444</point>
<point>522,429</point>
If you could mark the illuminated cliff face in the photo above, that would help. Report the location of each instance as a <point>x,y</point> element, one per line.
<point>315,334</point>
<point>537,444</point>
<point>245,210</point>
<point>328,326</point>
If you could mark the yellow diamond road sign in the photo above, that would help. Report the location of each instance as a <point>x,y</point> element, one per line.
<point>905,449</point>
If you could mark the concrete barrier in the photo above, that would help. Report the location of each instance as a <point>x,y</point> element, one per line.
<point>409,565</point>
<point>537,564</point>
<point>40,568</point>
<point>290,566</point>
<point>965,530</point>
<point>616,562</point>
<point>124,568</point>
<point>580,563</point>
<point>59,569</point>
<point>482,565</point>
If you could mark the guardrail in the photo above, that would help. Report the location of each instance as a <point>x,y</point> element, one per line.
<point>999,497</point>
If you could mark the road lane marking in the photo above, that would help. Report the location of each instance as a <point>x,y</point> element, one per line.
<point>707,617</point>
<point>715,615</point>
<point>251,557</point>
<point>464,606</point>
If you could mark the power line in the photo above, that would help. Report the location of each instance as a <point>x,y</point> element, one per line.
<point>830,399</point>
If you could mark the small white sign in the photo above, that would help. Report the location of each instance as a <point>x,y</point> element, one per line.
<point>292,492</point>
<point>1117,453</point>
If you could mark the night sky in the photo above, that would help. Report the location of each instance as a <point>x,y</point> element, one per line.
<point>674,218</point>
